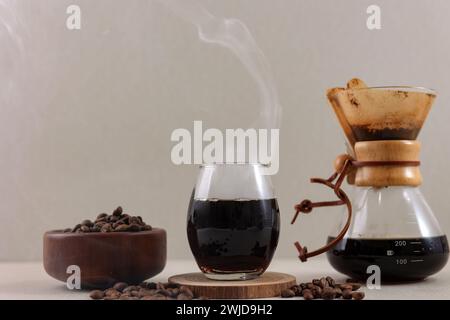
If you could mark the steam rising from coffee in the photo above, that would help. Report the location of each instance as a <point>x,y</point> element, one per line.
<point>234,35</point>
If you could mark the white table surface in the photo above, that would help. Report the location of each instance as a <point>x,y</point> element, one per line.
<point>28,280</point>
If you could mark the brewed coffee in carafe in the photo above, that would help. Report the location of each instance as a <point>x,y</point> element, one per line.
<point>388,221</point>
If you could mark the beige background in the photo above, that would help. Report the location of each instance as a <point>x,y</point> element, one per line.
<point>86,116</point>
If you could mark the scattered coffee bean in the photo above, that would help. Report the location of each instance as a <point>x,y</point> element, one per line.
<point>338,292</point>
<point>287,293</point>
<point>130,289</point>
<point>307,294</point>
<point>323,283</point>
<point>120,286</point>
<point>358,295</point>
<point>328,293</point>
<point>145,291</point>
<point>317,292</point>
<point>346,294</point>
<point>346,286</point>
<point>325,288</point>
<point>97,294</point>
<point>331,281</point>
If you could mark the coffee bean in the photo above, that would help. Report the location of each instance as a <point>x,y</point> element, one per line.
<point>100,224</point>
<point>122,227</point>
<point>331,281</point>
<point>338,292</point>
<point>317,292</point>
<point>307,294</point>
<point>323,283</point>
<point>120,286</point>
<point>146,292</point>
<point>346,294</point>
<point>175,292</point>
<point>87,223</point>
<point>135,293</point>
<point>316,282</point>
<point>97,294</point>
<point>328,293</point>
<point>76,228</point>
<point>111,292</point>
<point>133,220</point>
<point>287,293</point>
<point>358,295</point>
<point>106,228</point>
<point>151,285</point>
<point>171,285</point>
<point>117,212</point>
<point>160,286</point>
<point>296,289</point>
<point>302,286</point>
<point>147,227</point>
<point>134,227</point>
<point>310,286</point>
<point>346,287</point>
<point>124,220</point>
<point>130,289</point>
<point>85,228</point>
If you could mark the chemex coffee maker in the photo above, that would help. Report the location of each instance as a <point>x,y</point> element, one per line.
<point>388,222</point>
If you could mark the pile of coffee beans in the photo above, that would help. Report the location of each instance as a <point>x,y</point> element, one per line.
<point>115,222</point>
<point>325,288</point>
<point>145,291</point>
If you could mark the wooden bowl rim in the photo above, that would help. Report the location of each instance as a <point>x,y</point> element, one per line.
<point>59,233</point>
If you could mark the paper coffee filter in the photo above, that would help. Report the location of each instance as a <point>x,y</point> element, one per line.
<point>380,113</point>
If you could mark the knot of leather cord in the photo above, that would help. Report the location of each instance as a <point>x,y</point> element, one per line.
<point>305,206</point>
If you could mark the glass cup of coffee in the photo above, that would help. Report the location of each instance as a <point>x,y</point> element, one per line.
<point>233,221</point>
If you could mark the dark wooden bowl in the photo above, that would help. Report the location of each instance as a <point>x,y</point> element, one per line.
<point>105,258</point>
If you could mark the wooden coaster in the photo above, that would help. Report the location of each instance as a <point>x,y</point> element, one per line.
<point>269,284</point>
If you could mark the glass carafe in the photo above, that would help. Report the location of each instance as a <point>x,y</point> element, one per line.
<point>233,221</point>
<point>393,228</point>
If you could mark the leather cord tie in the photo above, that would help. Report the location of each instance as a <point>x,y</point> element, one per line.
<point>334,182</point>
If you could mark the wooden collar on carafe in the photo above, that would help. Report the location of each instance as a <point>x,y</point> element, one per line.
<point>384,163</point>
